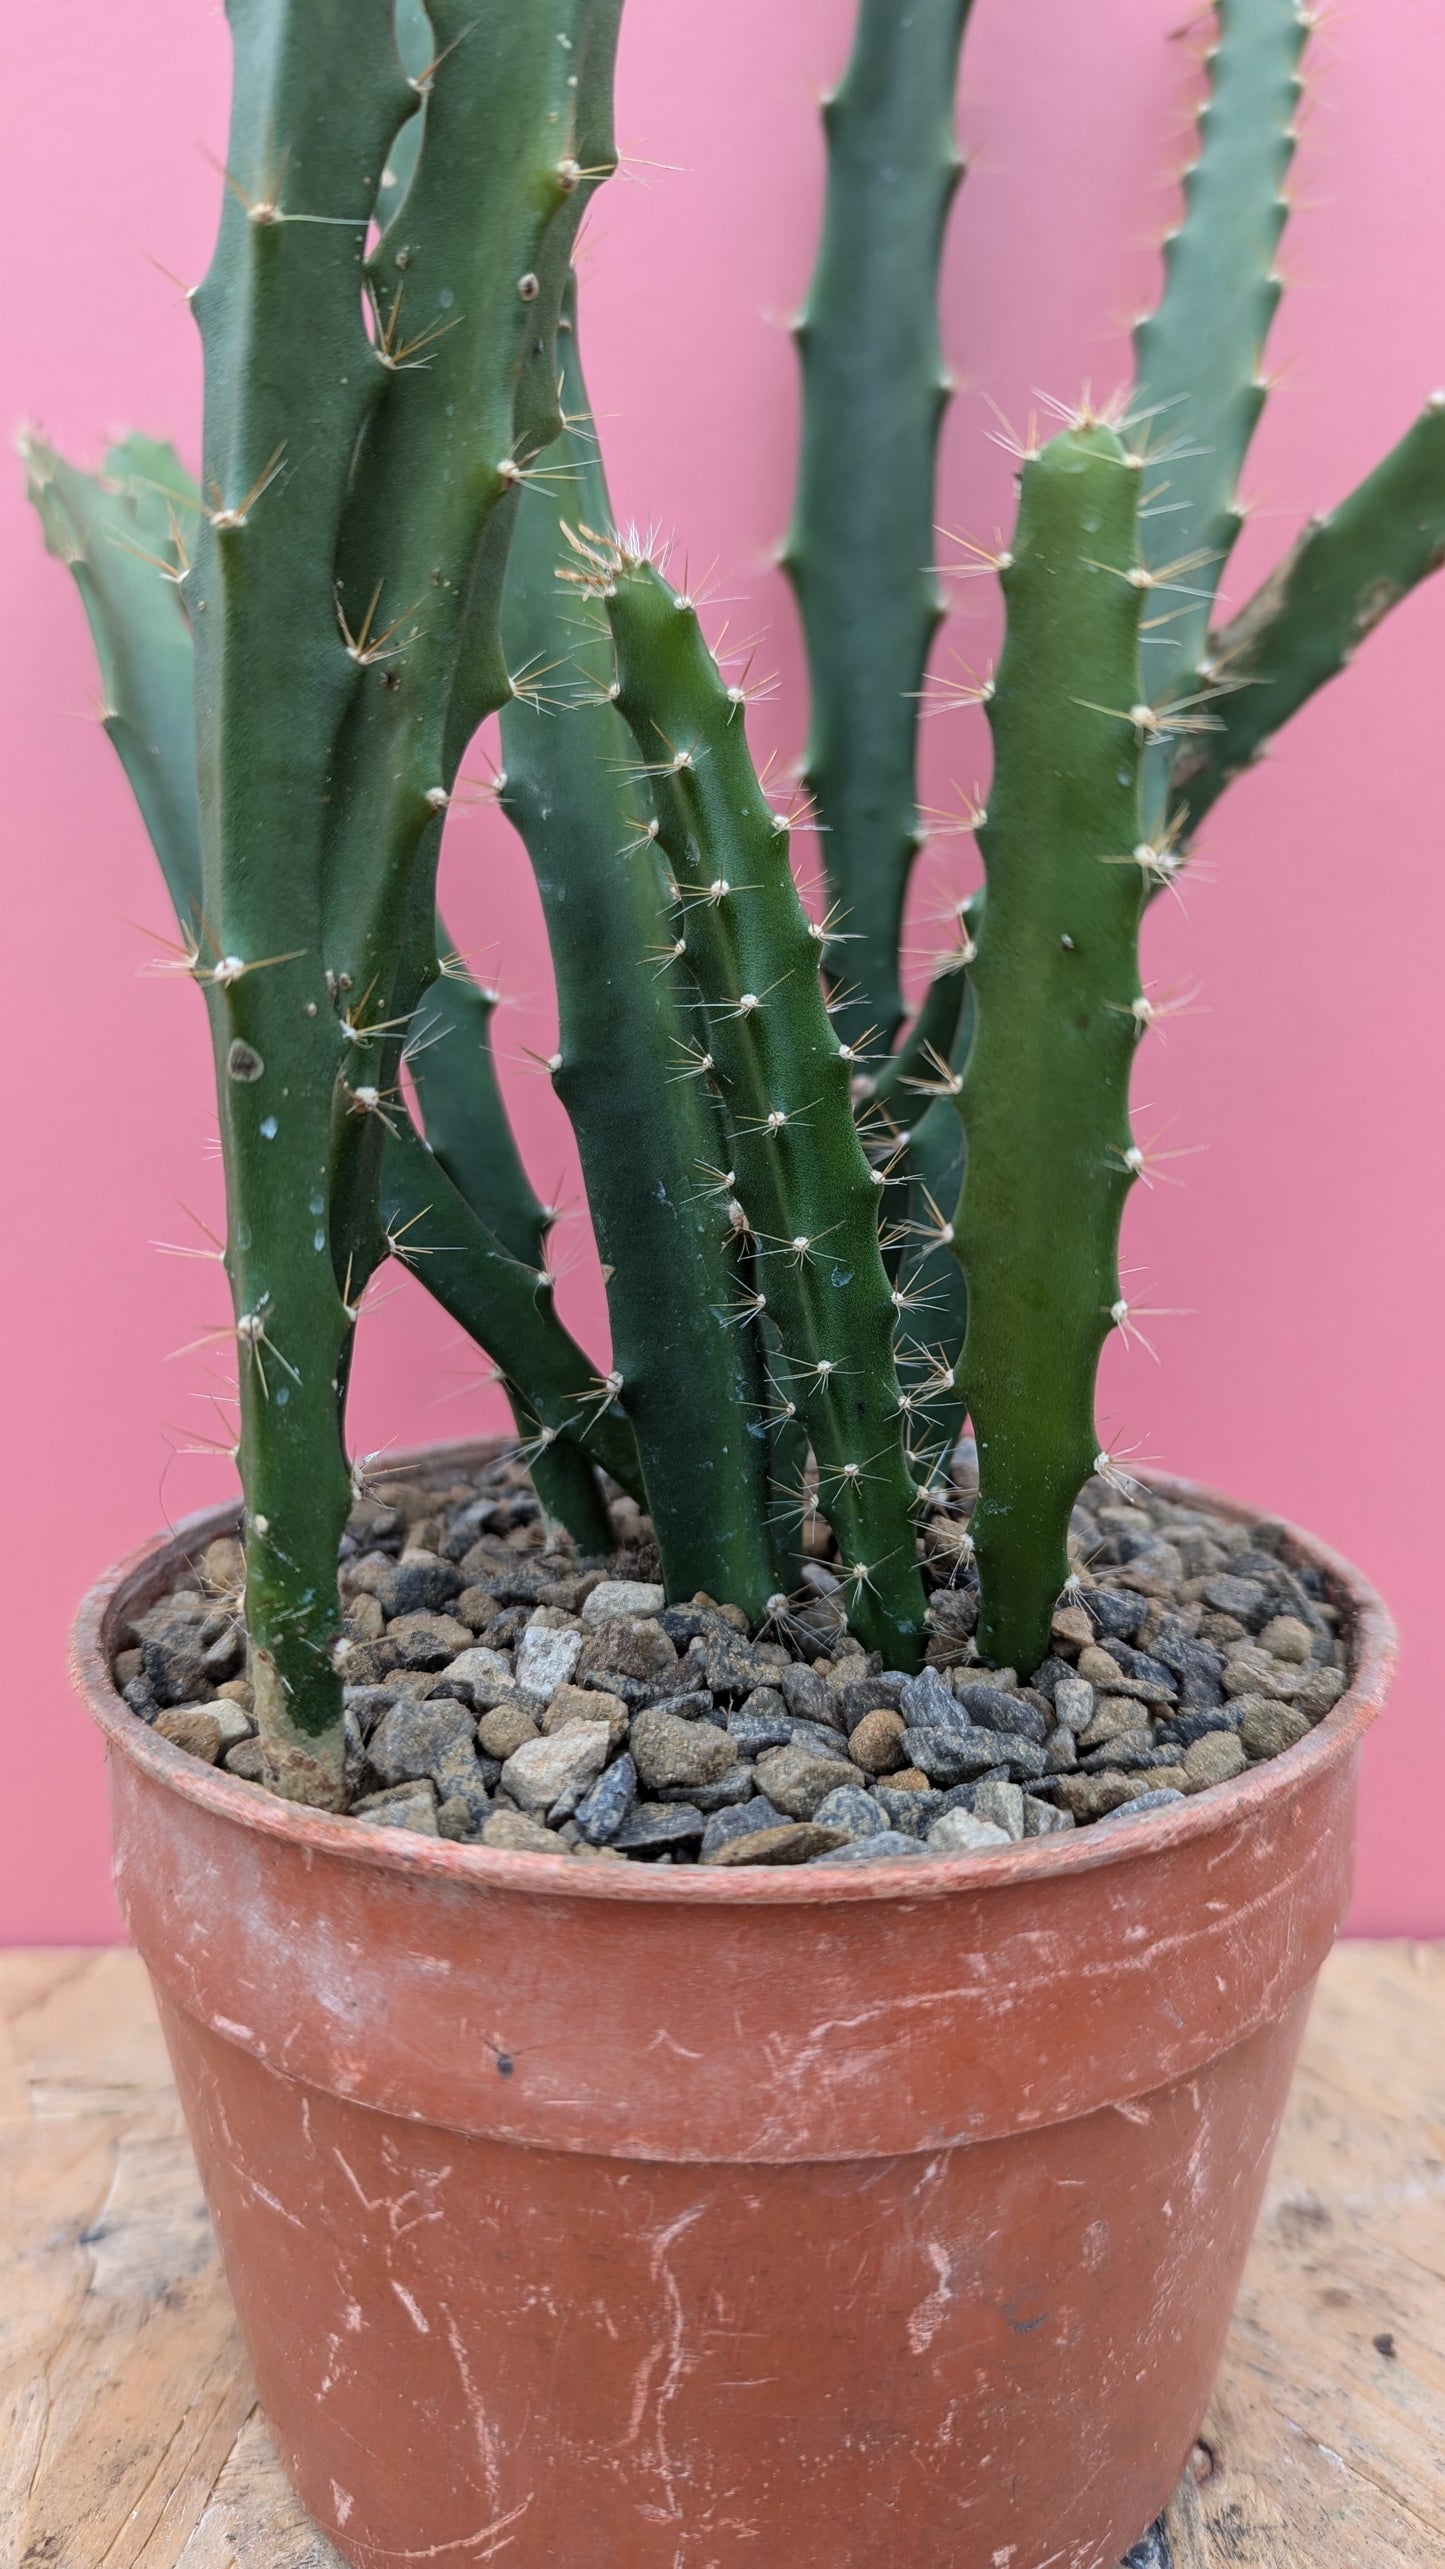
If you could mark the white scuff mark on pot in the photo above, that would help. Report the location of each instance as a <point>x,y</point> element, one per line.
<point>396,2207</point>
<point>925,2322</point>
<point>342,2500</point>
<point>237,2032</point>
<point>1094,2246</point>
<point>412,2307</point>
<point>1132,2109</point>
<point>480,2546</point>
<point>669,2351</point>
<point>481,2426</point>
<point>662,2040</point>
<point>353,2318</point>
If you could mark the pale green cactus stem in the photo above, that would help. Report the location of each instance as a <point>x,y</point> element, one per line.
<point>797,1170</point>
<point>124,536</point>
<point>1045,1092</point>
<point>1199,357</point>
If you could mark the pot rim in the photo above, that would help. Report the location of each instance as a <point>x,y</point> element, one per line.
<point>1038,1860</point>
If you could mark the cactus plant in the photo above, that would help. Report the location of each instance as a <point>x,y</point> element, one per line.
<point>829,1236</point>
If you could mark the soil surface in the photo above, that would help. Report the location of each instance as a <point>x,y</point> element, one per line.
<point>500,1691</point>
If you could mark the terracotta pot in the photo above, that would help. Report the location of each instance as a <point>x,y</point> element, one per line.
<point>600,2217</point>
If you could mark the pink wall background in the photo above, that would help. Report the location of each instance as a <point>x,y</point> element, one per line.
<point>1307,1240</point>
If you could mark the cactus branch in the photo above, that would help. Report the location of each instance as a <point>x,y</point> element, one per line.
<point>690,1384</point>
<point>1305,624</point>
<point>1199,386</point>
<point>803,1184</point>
<point>1056,988</point>
<point>862,540</point>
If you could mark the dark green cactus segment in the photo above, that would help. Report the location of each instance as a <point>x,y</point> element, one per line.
<point>1304,626</point>
<point>551,1381</point>
<point>289,378</point>
<point>862,540</point>
<point>125,536</point>
<point>1045,1093</point>
<point>1199,386</point>
<point>803,1183</point>
<point>690,1381</point>
<point>450,1056</point>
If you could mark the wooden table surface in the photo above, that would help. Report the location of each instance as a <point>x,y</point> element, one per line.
<point>130,2437</point>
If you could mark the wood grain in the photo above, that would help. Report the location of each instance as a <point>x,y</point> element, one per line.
<point>130,2438</point>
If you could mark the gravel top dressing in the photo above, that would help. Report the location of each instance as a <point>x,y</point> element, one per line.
<point>500,1692</point>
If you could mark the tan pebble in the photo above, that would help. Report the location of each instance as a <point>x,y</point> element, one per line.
<point>237,1690</point>
<point>909,1779</point>
<point>247,1759</point>
<point>502,1731</point>
<point>1072,1628</point>
<point>191,1727</point>
<point>1099,1666</point>
<point>126,1666</point>
<point>1114,1715</point>
<point>1268,1728</point>
<point>1215,1759</point>
<point>223,1566</point>
<point>364,1618</point>
<point>1090,1796</point>
<point>586,1704</point>
<point>517,1835</point>
<point>876,1743</point>
<point>1288,1638</point>
<point>793,1844</point>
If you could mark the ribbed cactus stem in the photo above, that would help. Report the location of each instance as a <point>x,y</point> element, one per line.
<point>1343,575</point>
<point>1200,386</point>
<point>690,1383</point>
<point>799,1178</point>
<point>1045,1094</point>
<point>862,539</point>
<point>288,384</point>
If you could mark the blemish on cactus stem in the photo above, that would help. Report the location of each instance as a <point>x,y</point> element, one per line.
<point>243,1062</point>
<point>268,1128</point>
<point>527,288</point>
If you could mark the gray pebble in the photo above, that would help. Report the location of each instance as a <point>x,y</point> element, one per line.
<point>1074,1703</point>
<point>603,1811</point>
<point>652,1826</point>
<point>1041,1820</point>
<point>959,1833</point>
<point>912,1813</point>
<point>1001,1803</point>
<point>1142,1803</point>
<point>1245,1599</point>
<point>754,1730</point>
<point>850,1808</point>
<point>740,1821</point>
<point>927,1702</point>
<point>886,1846</point>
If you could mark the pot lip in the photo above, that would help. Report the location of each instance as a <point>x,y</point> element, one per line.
<point>1036,1862</point>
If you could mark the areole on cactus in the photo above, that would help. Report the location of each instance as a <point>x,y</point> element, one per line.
<point>829,1236</point>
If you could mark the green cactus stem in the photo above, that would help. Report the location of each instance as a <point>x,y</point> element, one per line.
<point>123,534</point>
<point>557,1397</point>
<point>289,380</point>
<point>1045,1093</point>
<point>862,540</point>
<point>798,1173</point>
<point>689,1381</point>
<point>1308,620</point>
<point>1199,385</point>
